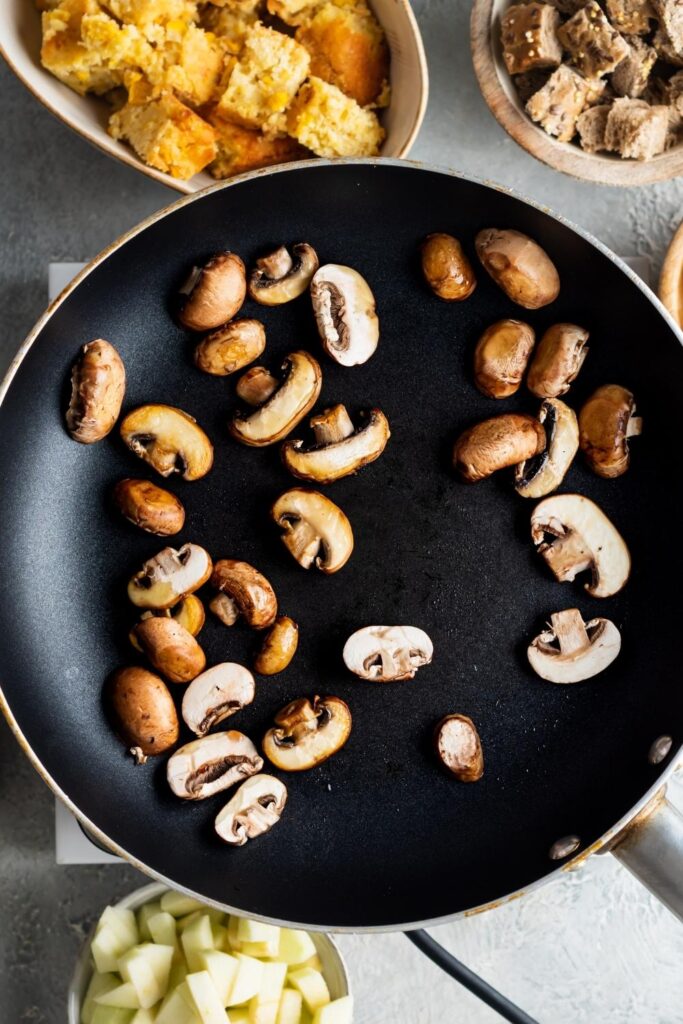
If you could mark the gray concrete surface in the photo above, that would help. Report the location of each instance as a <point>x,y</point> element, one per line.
<point>592,947</point>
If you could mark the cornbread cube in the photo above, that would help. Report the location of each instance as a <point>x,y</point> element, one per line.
<point>348,49</point>
<point>529,37</point>
<point>591,126</point>
<point>147,13</point>
<point>595,47</point>
<point>636,130</point>
<point>331,124</point>
<point>166,134</point>
<point>557,105</point>
<point>264,81</point>
<point>189,63</point>
<point>630,77</point>
<point>246,149</point>
<point>231,22</point>
<point>632,17</point>
<point>294,12</point>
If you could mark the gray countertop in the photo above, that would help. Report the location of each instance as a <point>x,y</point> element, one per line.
<point>593,946</point>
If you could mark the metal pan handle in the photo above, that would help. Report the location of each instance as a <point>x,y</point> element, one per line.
<point>651,847</point>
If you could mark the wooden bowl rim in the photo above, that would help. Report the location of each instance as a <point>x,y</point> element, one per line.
<point>671,276</point>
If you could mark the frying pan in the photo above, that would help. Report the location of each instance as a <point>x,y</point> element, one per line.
<point>378,837</point>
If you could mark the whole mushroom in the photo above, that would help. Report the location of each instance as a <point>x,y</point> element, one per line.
<point>446,268</point>
<point>557,360</point>
<point>243,591</point>
<point>385,654</point>
<point>543,473</point>
<point>307,733</point>
<point>142,712</point>
<point>345,313</point>
<point>169,576</point>
<point>280,276</point>
<point>315,530</point>
<point>189,613</point>
<point>606,422</point>
<point>98,384</point>
<point>493,444</point>
<point>214,293</point>
<point>215,695</point>
<point>152,508</point>
<point>459,747</point>
<point>339,448</point>
<point>284,407</point>
<point>212,764</point>
<point>169,440</point>
<point>231,347</point>
<point>278,648</point>
<point>171,648</point>
<point>571,650</point>
<point>501,356</point>
<point>254,809</point>
<point>519,266</point>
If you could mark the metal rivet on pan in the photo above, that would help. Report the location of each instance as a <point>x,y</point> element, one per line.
<point>659,749</point>
<point>563,847</point>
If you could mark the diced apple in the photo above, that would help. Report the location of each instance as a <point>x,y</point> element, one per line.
<point>247,980</point>
<point>144,1017</point>
<point>178,904</point>
<point>185,922</point>
<point>220,936</point>
<point>160,958</point>
<point>112,1015</point>
<point>261,949</point>
<point>312,986</point>
<point>161,928</point>
<point>264,1006</point>
<point>256,931</point>
<point>123,995</point>
<point>339,1011</point>
<point>176,1008</point>
<point>289,1010</point>
<point>122,923</point>
<point>196,938</point>
<point>178,971</point>
<point>208,1006</point>
<point>147,968</point>
<point>296,946</point>
<point>146,911</point>
<point>233,940</point>
<point>240,1015</point>
<point>107,947</point>
<point>315,962</point>
<point>99,984</point>
<point>222,967</point>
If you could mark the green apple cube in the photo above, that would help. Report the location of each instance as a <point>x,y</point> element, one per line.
<point>240,1015</point>
<point>208,1006</point>
<point>160,959</point>
<point>122,923</point>
<point>178,904</point>
<point>195,939</point>
<point>144,1017</point>
<point>146,972</point>
<point>261,949</point>
<point>177,1009</point>
<point>222,967</point>
<point>289,1010</point>
<point>146,911</point>
<point>264,1006</point>
<point>161,928</point>
<point>296,946</point>
<point>256,931</point>
<point>247,980</point>
<point>312,986</point>
<point>112,1015</point>
<point>99,984</point>
<point>123,995</point>
<point>106,949</point>
<point>220,936</point>
<point>339,1011</point>
<point>178,971</point>
<point>185,922</point>
<point>233,940</point>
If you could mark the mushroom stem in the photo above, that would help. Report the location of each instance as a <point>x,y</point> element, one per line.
<point>568,626</point>
<point>225,609</point>
<point>256,386</point>
<point>567,556</point>
<point>332,425</point>
<point>276,264</point>
<point>634,427</point>
<point>303,542</point>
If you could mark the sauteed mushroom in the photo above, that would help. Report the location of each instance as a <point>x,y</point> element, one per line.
<point>339,449</point>
<point>344,309</point>
<point>557,360</point>
<point>278,648</point>
<point>171,648</point>
<point>215,695</point>
<point>243,591</point>
<point>254,809</point>
<point>315,530</point>
<point>169,440</point>
<point>446,268</point>
<point>544,472</point>
<point>306,734</point>
<point>281,277</point>
<point>142,712</point>
<point>98,384</point>
<point>495,443</point>
<point>387,653</point>
<point>581,538</point>
<point>189,613</point>
<point>169,576</point>
<point>213,293</point>
<point>286,406</point>
<point>211,764</point>
<point>231,347</point>
<point>459,747</point>
<point>519,266</point>
<point>150,507</point>
<point>501,356</point>
<point>570,650</point>
<point>256,386</point>
<point>606,422</point>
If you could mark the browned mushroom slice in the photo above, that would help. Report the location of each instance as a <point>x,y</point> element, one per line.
<point>211,764</point>
<point>254,809</point>
<point>98,384</point>
<point>387,653</point>
<point>285,407</point>
<point>569,650</point>
<point>544,472</point>
<point>307,733</point>
<point>281,277</point>
<point>243,591</point>
<point>344,309</point>
<point>169,440</point>
<point>169,576</point>
<point>315,530</point>
<point>606,422</point>
<point>339,449</point>
<point>495,443</point>
<point>215,695</point>
<point>459,747</point>
<point>213,293</point>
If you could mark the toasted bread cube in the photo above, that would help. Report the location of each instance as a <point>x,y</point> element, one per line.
<point>331,124</point>
<point>557,105</point>
<point>167,135</point>
<point>670,35</point>
<point>636,130</point>
<point>529,37</point>
<point>591,126</point>
<point>595,47</point>
<point>632,17</point>
<point>630,77</point>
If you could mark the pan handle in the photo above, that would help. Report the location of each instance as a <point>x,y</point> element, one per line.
<point>651,847</point>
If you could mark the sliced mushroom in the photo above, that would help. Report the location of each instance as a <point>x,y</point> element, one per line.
<point>344,309</point>
<point>98,384</point>
<point>213,293</point>
<point>142,712</point>
<point>281,277</point>
<point>557,360</point>
<point>278,648</point>
<point>459,747</point>
<point>387,653</point>
<point>243,591</point>
<point>286,406</point>
<point>519,266</point>
<point>152,508</point>
<point>231,347</point>
<point>256,386</point>
<point>315,529</point>
<point>189,613</point>
<point>339,449</point>
<point>211,764</point>
<point>501,356</point>
<point>215,695</point>
<point>581,538</point>
<point>306,734</point>
<point>606,422</point>
<point>169,576</point>
<point>169,440</point>
<point>446,268</point>
<point>571,650</point>
<point>495,443</point>
<point>171,648</point>
<point>543,473</point>
<point>254,809</point>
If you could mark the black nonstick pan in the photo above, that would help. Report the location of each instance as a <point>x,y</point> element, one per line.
<point>379,836</point>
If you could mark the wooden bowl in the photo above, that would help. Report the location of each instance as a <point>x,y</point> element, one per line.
<point>20,38</point>
<point>671,278</point>
<point>501,96</point>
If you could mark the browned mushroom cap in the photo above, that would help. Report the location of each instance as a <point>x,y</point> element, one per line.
<point>315,530</point>
<point>230,348</point>
<point>281,277</point>
<point>142,712</point>
<point>606,422</point>
<point>171,648</point>
<point>286,406</point>
<point>501,356</point>
<point>246,592</point>
<point>496,443</point>
<point>279,647</point>
<point>169,440</point>
<point>459,747</point>
<point>150,507</point>
<point>446,268</point>
<point>214,292</point>
<point>339,449</point>
<point>254,809</point>
<point>189,612</point>
<point>98,384</point>
<point>211,764</point>
<point>306,733</point>
<point>519,266</point>
<point>557,360</point>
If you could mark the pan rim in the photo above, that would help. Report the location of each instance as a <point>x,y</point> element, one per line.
<point>575,862</point>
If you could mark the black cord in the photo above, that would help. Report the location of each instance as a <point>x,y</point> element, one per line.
<point>448,963</point>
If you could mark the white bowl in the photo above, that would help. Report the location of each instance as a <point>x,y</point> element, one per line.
<point>20,37</point>
<point>333,966</point>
